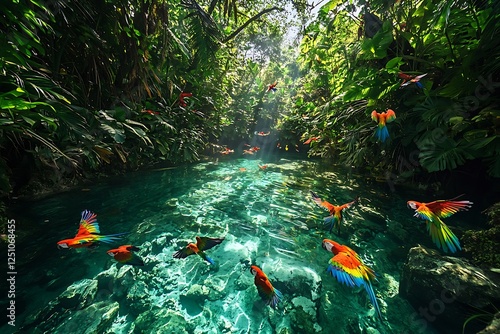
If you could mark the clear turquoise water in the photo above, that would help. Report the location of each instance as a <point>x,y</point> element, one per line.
<point>267,218</point>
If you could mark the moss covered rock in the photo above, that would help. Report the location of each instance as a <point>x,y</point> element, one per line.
<point>483,246</point>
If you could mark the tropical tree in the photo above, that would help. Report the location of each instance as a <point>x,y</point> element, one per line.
<point>352,56</point>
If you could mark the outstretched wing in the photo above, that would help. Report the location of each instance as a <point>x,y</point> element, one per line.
<point>132,248</point>
<point>183,253</point>
<point>349,262</point>
<point>390,116</point>
<point>345,268</point>
<point>375,116</point>
<point>418,77</point>
<point>88,224</point>
<point>324,204</point>
<point>204,243</point>
<point>446,208</point>
<point>405,76</point>
<point>348,205</point>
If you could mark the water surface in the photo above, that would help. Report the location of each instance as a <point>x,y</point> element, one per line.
<point>268,219</point>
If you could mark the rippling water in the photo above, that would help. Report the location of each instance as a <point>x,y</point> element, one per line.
<point>268,219</point>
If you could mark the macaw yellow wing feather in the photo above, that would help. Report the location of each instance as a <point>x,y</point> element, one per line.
<point>88,224</point>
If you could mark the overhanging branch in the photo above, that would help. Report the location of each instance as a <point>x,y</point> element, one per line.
<point>250,20</point>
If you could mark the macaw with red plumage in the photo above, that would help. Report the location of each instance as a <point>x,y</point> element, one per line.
<point>348,268</point>
<point>202,244</point>
<point>335,217</point>
<point>310,140</point>
<point>183,95</point>
<point>266,290</point>
<point>88,233</point>
<point>382,118</point>
<point>408,79</point>
<point>125,255</point>
<point>432,213</point>
<point>272,87</point>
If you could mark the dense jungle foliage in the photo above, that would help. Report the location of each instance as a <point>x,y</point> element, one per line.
<point>93,87</point>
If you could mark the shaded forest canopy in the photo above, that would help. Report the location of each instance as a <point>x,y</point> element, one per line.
<point>91,87</point>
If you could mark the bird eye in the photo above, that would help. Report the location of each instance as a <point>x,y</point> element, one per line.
<point>253,271</point>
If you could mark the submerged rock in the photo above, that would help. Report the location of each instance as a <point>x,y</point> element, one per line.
<point>162,321</point>
<point>94,319</point>
<point>445,290</point>
<point>303,316</point>
<point>77,296</point>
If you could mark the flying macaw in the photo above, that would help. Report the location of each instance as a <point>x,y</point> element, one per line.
<point>335,217</point>
<point>348,268</point>
<point>226,151</point>
<point>408,79</point>
<point>88,233</point>
<point>202,244</point>
<point>405,77</point>
<point>262,133</point>
<point>272,87</point>
<point>310,140</point>
<point>124,254</point>
<point>266,290</point>
<point>382,118</point>
<point>432,213</point>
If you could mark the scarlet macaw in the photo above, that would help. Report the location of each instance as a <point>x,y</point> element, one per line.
<point>88,233</point>
<point>348,268</point>
<point>266,290</point>
<point>310,140</point>
<point>272,87</point>
<point>432,213</point>
<point>202,244</point>
<point>335,217</point>
<point>125,254</point>
<point>382,118</point>
<point>408,79</point>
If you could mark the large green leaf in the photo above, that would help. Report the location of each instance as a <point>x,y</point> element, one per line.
<point>443,154</point>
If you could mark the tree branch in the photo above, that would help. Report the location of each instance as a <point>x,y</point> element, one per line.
<point>250,20</point>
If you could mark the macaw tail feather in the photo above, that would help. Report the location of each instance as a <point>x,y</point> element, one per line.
<point>333,221</point>
<point>443,237</point>
<point>382,133</point>
<point>373,298</point>
<point>276,297</point>
<point>110,238</point>
<point>206,258</point>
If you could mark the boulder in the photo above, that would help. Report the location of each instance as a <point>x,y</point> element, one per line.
<point>95,319</point>
<point>445,291</point>
<point>482,245</point>
<point>77,296</point>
